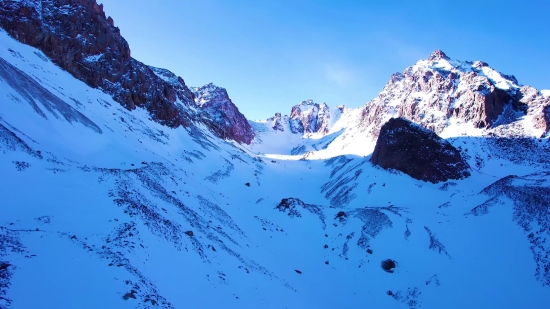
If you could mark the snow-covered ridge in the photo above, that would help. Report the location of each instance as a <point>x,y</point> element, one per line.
<point>449,97</point>
<point>140,215</point>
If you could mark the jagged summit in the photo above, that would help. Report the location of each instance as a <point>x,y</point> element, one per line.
<point>437,55</point>
<point>307,118</point>
<point>221,115</point>
<point>208,92</point>
<point>438,93</point>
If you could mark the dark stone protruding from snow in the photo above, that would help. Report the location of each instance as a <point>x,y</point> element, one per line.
<point>418,152</point>
<point>298,271</point>
<point>388,265</point>
<point>341,214</point>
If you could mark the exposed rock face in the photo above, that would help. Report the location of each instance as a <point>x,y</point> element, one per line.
<point>438,55</point>
<point>539,108</point>
<point>310,117</point>
<point>277,122</point>
<point>418,152</point>
<point>307,118</point>
<point>79,38</point>
<point>439,89</point>
<point>221,115</point>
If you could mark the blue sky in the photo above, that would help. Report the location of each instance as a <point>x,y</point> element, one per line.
<point>270,55</point>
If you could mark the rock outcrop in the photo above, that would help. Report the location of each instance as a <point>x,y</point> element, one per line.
<point>418,152</point>
<point>219,113</point>
<point>307,118</point>
<point>79,38</point>
<point>310,117</point>
<point>277,122</point>
<point>436,90</point>
<point>539,108</point>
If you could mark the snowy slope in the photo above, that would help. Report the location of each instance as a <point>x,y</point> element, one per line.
<point>105,208</point>
<point>451,97</point>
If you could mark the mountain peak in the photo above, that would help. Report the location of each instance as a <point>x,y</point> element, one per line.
<point>221,115</point>
<point>438,54</point>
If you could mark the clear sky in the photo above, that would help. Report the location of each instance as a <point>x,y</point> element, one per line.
<point>272,54</point>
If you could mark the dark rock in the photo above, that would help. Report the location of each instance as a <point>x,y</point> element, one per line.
<point>307,117</point>
<point>292,207</point>
<point>129,295</point>
<point>220,114</point>
<point>77,36</point>
<point>369,251</point>
<point>341,214</point>
<point>277,122</point>
<point>247,184</point>
<point>299,272</point>
<point>389,265</point>
<point>418,152</point>
<point>190,233</point>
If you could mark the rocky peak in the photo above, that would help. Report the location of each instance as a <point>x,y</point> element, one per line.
<point>77,36</point>
<point>437,55</point>
<point>219,113</point>
<point>209,94</point>
<point>479,64</point>
<point>431,93</point>
<point>277,122</point>
<point>417,152</point>
<point>307,117</point>
<point>304,117</point>
<point>538,107</point>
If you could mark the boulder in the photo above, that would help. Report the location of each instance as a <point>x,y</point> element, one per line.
<point>418,152</point>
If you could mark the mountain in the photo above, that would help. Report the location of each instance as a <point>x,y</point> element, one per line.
<point>449,97</point>
<point>307,118</point>
<point>220,114</point>
<point>78,37</point>
<point>440,93</point>
<point>163,204</point>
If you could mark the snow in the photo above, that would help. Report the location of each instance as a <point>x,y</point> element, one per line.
<point>545,92</point>
<point>498,80</point>
<point>93,58</point>
<point>129,194</point>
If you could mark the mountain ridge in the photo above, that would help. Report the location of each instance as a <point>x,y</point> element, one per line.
<point>106,207</point>
<point>96,53</point>
<point>447,96</point>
